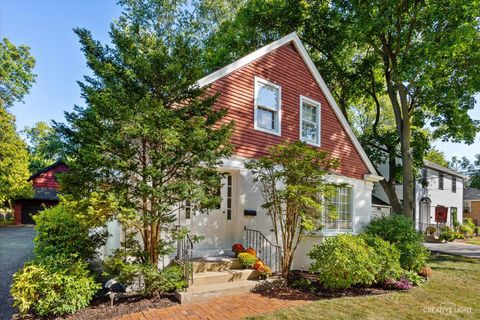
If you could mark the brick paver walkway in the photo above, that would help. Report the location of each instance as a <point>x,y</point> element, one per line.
<point>225,308</point>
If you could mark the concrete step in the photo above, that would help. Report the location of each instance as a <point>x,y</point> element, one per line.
<point>212,277</point>
<point>216,264</point>
<point>210,291</point>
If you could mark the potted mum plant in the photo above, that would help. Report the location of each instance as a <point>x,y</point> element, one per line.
<point>237,248</point>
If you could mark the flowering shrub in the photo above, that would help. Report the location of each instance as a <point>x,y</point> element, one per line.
<point>247,259</point>
<point>237,248</point>
<point>251,251</point>
<point>425,272</point>
<point>402,284</point>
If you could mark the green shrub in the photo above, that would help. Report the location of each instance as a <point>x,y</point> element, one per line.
<point>53,286</point>
<point>160,281</point>
<point>304,284</point>
<point>387,258</point>
<point>343,261</point>
<point>154,281</point>
<point>247,259</point>
<point>400,231</point>
<point>477,231</point>
<point>430,230</point>
<point>60,232</point>
<point>469,222</point>
<point>447,234</point>
<point>413,256</point>
<point>466,230</point>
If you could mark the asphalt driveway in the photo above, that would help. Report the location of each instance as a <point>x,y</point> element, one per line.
<point>16,244</point>
<point>456,248</point>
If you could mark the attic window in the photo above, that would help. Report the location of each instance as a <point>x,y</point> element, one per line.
<point>267,106</point>
<point>310,121</point>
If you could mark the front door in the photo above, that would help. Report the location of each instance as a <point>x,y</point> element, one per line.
<point>215,225</point>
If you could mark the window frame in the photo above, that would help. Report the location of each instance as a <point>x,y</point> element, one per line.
<point>318,105</point>
<point>454,184</point>
<point>441,180</point>
<point>352,212</point>
<point>260,81</point>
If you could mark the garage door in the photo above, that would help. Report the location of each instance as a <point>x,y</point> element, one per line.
<point>28,212</point>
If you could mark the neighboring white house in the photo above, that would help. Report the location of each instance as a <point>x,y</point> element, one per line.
<point>438,189</point>
<point>276,94</point>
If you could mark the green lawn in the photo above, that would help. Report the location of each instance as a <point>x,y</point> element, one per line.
<point>473,241</point>
<point>455,284</point>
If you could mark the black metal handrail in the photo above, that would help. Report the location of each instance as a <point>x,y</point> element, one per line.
<point>185,257</point>
<point>269,253</point>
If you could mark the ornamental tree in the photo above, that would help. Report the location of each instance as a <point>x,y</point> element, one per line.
<point>296,192</point>
<point>148,138</point>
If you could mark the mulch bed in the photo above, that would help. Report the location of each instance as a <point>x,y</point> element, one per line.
<point>321,293</point>
<point>101,310</point>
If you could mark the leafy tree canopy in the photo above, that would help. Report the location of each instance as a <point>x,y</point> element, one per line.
<point>44,146</point>
<point>16,72</point>
<point>436,156</point>
<point>13,162</point>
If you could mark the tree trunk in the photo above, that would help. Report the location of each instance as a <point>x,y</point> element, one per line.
<point>389,189</point>
<point>407,157</point>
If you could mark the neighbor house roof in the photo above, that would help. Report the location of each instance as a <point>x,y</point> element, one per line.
<point>379,202</point>
<point>438,167</point>
<point>471,194</point>
<point>39,172</point>
<point>45,194</point>
<point>293,38</point>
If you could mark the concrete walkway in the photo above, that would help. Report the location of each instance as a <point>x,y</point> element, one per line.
<point>456,248</point>
<point>225,308</point>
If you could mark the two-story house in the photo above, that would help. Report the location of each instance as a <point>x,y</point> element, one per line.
<point>438,195</point>
<point>276,94</point>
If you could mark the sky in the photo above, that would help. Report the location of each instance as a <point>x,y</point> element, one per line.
<point>46,26</point>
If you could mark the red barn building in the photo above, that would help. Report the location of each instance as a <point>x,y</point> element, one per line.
<point>45,186</point>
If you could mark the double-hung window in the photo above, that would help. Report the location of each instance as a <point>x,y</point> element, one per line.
<point>309,121</point>
<point>454,184</point>
<point>440,180</point>
<point>343,216</point>
<point>267,106</point>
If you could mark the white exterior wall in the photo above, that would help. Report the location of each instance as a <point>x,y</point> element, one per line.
<point>247,196</point>
<point>438,197</point>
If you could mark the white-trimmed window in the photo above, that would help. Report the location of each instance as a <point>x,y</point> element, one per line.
<point>309,121</point>
<point>344,213</point>
<point>268,97</point>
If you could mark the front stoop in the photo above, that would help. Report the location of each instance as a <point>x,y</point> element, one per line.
<point>215,278</point>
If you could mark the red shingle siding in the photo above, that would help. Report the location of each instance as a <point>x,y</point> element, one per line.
<point>47,179</point>
<point>285,67</point>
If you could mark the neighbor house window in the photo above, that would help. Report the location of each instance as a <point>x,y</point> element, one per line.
<point>267,106</point>
<point>188,209</point>
<point>309,121</point>
<point>440,180</point>
<point>454,184</point>
<point>343,204</point>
